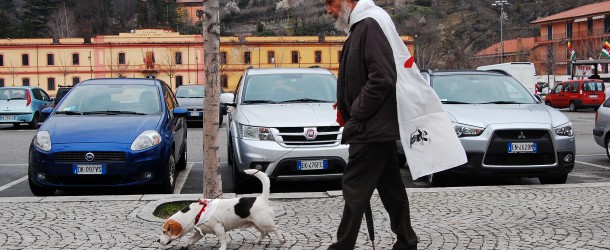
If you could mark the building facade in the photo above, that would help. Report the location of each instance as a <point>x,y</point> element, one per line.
<point>174,58</point>
<point>585,27</point>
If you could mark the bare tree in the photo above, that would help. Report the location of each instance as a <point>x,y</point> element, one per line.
<point>211,163</point>
<point>62,23</point>
<point>550,60</point>
<point>12,69</point>
<point>121,70</point>
<point>427,54</point>
<point>168,65</point>
<point>123,12</point>
<point>64,67</point>
<point>589,47</point>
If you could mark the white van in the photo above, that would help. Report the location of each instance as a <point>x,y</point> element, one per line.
<point>525,72</point>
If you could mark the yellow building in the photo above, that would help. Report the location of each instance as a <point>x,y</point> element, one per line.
<point>174,58</point>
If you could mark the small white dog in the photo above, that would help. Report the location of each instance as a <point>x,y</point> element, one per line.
<point>221,215</point>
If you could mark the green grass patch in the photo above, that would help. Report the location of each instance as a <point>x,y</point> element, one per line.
<point>166,210</point>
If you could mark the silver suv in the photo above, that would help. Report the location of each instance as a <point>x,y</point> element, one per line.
<point>281,121</point>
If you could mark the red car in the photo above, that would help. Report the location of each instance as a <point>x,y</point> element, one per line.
<point>575,94</point>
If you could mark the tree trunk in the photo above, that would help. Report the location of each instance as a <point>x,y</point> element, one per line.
<point>212,186</point>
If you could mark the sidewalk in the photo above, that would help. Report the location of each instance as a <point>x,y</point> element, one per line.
<point>571,216</point>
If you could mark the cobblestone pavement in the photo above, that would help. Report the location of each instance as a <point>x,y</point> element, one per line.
<point>509,217</point>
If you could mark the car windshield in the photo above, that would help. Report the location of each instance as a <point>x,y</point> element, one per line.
<point>190,92</point>
<point>286,88</point>
<point>111,99</point>
<point>12,94</point>
<point>481,89</point>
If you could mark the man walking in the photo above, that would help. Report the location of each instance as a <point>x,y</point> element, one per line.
<point>366,100</point>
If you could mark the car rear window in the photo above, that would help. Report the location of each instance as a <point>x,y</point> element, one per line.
<point>593,86</point>
<point>12,94</point>
<point>290,87</point>
<point>190,92</point>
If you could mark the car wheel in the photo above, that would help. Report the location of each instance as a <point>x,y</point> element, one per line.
<point>169,182</point>
<point>554,179</point>
<point>40,191</point>
<point>548,103</point>
<point>435,180</point>
<point>34,123</point>
<point>573,107</point>
<point>220,120</point>
<point>229,152</point>
<point>182,161</point>
<point>608,147</point>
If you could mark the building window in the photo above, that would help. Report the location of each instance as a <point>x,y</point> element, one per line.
<point>75,59</point>
<point>1,82</point>
<point>549,32</point>
<point>75,80</point>
<point>569,30</point>
<point>295,56</point>
<point>271,56</point>
<point>590,25</point>
<point>50,83</point>
<point>247,59</point>
<point>178,57</point>
<point>50,59</point>
<point>224,81</point>
<point>318,55</point>
<point>25,82</point>
<point>339,53</point>
<point>121,58</point>
<point>223,57</point>
<point>178,81</point>
<point>1,60</point>
<point>607,24</point>
<point>25,60</point>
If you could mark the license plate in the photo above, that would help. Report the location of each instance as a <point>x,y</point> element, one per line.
<point>312,165</point>
<point>7,117</point>
<point>522,147</point>
<point>195,113</point>
<point>89,169</point>
<point>593,96</point>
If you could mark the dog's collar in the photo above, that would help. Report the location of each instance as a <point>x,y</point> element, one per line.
<point>203,202</point>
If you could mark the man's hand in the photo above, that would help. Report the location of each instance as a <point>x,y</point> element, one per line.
<point>339,117</point>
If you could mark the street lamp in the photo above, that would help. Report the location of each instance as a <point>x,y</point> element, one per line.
<point>501,3</point>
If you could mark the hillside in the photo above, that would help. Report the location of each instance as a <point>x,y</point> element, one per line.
<point>447,32</point>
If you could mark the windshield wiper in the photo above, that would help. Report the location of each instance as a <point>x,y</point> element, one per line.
<point>259,101</point>
<point>17,98</point>
<point>69,112</point>
<point>501,102</point>
<point>304,100</point>
<point>112,112</point>
<point>454,102</point>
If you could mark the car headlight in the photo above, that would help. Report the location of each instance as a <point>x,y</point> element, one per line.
<point>146,139</point>
<point>256,133</point>
<point>463,130</point>
<point>42,140</point>
<point>565,129</point>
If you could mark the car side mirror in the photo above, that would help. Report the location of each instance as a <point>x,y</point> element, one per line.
<point>46,112</point>
<point>180,112</point>
<point>227,98</point>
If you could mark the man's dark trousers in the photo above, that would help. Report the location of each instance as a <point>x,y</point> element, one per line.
<point>374,165</point>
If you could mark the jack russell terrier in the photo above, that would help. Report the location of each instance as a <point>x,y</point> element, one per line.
<point>218,216</point>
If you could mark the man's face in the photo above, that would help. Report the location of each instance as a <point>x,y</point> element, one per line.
<point>340,11</point>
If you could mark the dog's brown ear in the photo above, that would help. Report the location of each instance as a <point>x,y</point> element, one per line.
<point>173,228</point>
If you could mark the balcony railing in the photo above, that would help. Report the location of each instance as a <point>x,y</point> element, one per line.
<point>575,35</point>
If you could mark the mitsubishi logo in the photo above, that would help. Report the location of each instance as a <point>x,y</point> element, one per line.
<point>521,136</point>
<point>89,156</point>
<point>311,134</point>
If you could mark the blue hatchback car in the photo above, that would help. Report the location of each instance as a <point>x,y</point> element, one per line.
<point>110,133</point>
<point>23,104</point>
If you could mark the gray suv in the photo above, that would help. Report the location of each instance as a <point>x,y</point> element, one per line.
<point>505,130</point>
<point>281,121</point>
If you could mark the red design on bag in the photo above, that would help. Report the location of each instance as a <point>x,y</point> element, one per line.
<point>409,62</point>
<point>339,117</point>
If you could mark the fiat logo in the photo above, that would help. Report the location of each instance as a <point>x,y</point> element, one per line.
<point>310,134</point>
<point>89,156</point>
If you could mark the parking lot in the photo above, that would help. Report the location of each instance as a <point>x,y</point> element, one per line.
<point>592,164</point>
